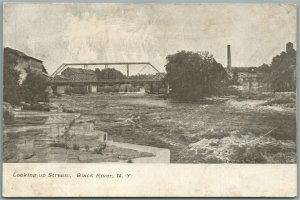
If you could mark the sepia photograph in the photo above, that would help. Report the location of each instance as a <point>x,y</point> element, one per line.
<point>149,83</point>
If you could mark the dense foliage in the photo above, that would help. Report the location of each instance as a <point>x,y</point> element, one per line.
<point>34,88</point>
<point>194,75</point>
<point>11,86</point>
<point>283,67</point>
<point>264,68</point>
<point>109,73</point>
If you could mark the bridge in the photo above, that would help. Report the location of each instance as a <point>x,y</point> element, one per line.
<point>155,80</point>
<point>85,65</point>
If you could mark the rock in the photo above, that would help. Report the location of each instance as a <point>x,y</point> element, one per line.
<point>40,107</point>
<point>10,150</point>
<point>8,113</point>
<point>17,108</point>
<point>27,154</point>
<point>25,106</point>
<point>68,110</point>
<point>55,107</point>
<point>122,157</point>
<point>214,144</point>
<point>22,103</point>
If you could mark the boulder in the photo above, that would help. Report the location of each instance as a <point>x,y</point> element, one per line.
<point>26,106</point>
<point>68,110</point>
<point>8,113</point>
<point>55,107</point>
<point>41,106</point>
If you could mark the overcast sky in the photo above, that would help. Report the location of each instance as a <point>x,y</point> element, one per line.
<point>58,33</point>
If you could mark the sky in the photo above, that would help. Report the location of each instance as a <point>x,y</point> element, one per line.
<point>62,33</point>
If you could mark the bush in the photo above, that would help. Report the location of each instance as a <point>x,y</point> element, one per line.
<point>54,89</point>
<point>100,148</point>
<point>75,146</point>
<point>87,147</point>
<point>11,87</point>
<point>34,88</point>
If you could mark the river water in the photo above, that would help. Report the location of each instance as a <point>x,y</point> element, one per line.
<point>212,131</point>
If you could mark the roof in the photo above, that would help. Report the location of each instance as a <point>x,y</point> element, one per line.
<point>21,54</point>
<point>80,71</point>
<point>60,77</point>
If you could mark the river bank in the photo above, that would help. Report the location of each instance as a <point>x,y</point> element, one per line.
<point>33,136</point>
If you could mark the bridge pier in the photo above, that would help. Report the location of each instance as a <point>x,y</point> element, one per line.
<point>168,88</point>
<point>92,88</point>
<point>60,89</point>
<point>151,88</point>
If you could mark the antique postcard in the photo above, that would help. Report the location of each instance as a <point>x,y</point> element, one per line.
<point>149,100</point>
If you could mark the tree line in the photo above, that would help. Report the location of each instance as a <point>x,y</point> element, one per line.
<point>193,75</point>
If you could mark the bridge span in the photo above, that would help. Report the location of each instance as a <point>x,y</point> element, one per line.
<point>92,85</point>
<point>106,64</point>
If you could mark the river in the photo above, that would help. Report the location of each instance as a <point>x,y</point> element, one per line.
<point>212,131</point>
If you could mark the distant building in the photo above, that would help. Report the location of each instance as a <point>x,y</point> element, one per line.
<point>60,78</point>
<point>25,61</point>
<point>250,78</point>
<point>77,74</point>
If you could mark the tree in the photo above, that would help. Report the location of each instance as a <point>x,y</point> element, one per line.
<point>264,68</point>
<point>283,67</point>
<point>194,75</point>
<point>98,74</point>
<point>34,86</point>
<point>11,85</point>
<point>109,73</point>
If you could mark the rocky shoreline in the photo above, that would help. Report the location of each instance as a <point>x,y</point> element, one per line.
<point>57,134</point>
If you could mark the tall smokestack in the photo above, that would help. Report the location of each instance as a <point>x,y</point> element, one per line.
<point>228,57</point>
